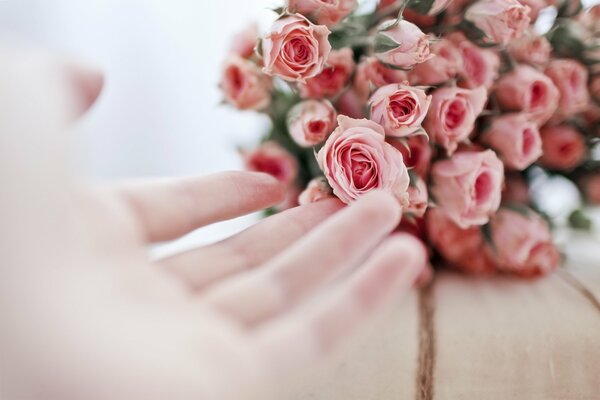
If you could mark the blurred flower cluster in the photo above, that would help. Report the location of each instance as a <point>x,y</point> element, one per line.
<point>452,106</point>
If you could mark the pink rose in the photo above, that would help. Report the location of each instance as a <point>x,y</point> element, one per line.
<point>295,49</point>
<point>516,139</point>
<point>418,198</point>
<point>401,44</point>
<point>333,78</point>
<point>446,64</point>
<point>590,185</point>
<point>500,20</point>
<point>399,108</point>
<point>571,78</point>
<point>244,42</point>
<point>452,115</point>
<point>310,122</point>
<point>515,190</point>
<point>523,242</point>
<point>324,12</point>
<point>356,159</point>
<point>564,147</point>
<point>595,87</point>
<point>423,21</point>
<point>272,159</point>
<point>463,248</point>
<point>371,73</point>
<point>479,66</point>
<point>244,85</point>
<point>317,189</point>
<point>528,90</point>
<point>535,6</point>
<point>531,49</point>
<point>416,151</point>
<point>468,186</point>
<point>434,8</point>
<point>351,104</point>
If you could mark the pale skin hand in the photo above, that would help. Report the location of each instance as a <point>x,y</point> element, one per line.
<point>84,312</point>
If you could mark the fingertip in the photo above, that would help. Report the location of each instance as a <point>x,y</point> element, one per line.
<point>382,206</point>
<point>410,253</point>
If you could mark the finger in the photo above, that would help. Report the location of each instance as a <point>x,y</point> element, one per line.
<point>310,335</point>
<point>201,267</point>
<point>87,83</point>
<point>343,241</point>
<point>169,209</point>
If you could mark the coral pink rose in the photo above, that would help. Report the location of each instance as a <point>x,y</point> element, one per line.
<point>244,85</point>
<point>571,79</point>
<point>356,159</point>
<point>244,42</point>
<point>295,49</point>
<point>479,66</point>
<point>272,159</point>
<point>399,108</point>
<point>401,44</point>
<point>522,242</point>
<point>468,186</point>
<point>317,189</point>
<point>446,64</point>
<point>452,115</point>
<point>564,147</point>
<point>310,122</point>
<point>418,198</point>
<point>516,139</point>
<point>371,73</point>
<point>590,185</point>
<point>324,12</point>
<point>527,89</point>
<point>531,49</point>
<point>500,20</point>
<point>416,151</point>
<point>333,78</point>
<point>463,248</point>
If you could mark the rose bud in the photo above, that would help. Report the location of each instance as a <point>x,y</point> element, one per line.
<point>516,139</point>
<point>295,49</point>
<point>371,73</point>
<point>446,64</point>
<point>244,42</point>
<point>468,186</point>
<point>528,90</point>
<point>418,198</point>
<point>323,12</point>
<point>356,159</point>
<point>499,20</point>
<point>271,159</point>
<point>594,87</point>
<point>571,78</point>
<point>317,189</point>
<point>244,85</point>
<point>463,248</point>
<point>522,242</point>
<point>531,49</point>
<point>401,44</point>
<point>310,122</point>
<point>480,66</point>
<point>333,78</point>
<point>515,190</point>
<point>416,152</point>
<point>564,147</point>
<point>452,115</point>
<point>590,186</point>
<point>399,108</point>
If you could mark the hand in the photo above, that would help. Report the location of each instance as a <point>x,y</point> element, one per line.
<point>85,313</point>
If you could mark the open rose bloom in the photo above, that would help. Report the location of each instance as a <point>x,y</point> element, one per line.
<point>459,109</point>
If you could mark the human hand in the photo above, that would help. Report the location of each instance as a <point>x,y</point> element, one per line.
<point>85,312</point>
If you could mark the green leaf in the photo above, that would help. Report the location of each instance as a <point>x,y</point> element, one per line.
<point>580,221</point>
<point>384,43</point>
<point>420,6</point>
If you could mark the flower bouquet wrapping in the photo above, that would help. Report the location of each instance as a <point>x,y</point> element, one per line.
<point>457,108</point>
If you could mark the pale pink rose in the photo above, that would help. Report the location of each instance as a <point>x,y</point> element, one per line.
<point>272,159</point>
<point>399,108</point>
<point>535,6</point>
<point>468,186</point>
<point>516,189</point>
<point>324,12</point>
<point>244,85</point>
<point>527,89</point>
<point>571,79</point>
<point>310,122</point>
<point>480,67</point>
<point>317,189</point>
<point>372,74</point>
<point>418,198</point>
<point>516,139</point>
<point>595,87</point>
<point>244,42</point>
<point>500,20</point>
<point>416,151</point>
<point>402,44</point>
<point>531,49</point>
<point>590,185</point>
<point>446,64</point>
<point>333,78</point>
<point>295,49</point>
<point>464,249</point>
<point>356,159</point>
<point>564,147</point>
<point>522,242</point>
<point>452,115</point>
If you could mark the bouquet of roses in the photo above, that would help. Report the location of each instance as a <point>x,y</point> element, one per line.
<point>455,107</point>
